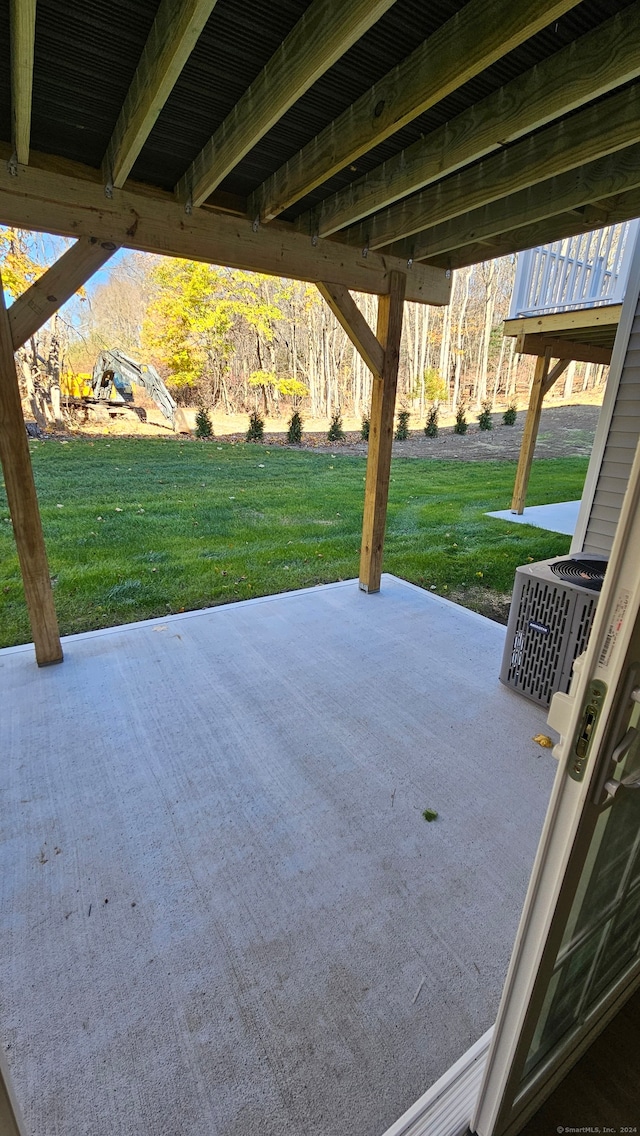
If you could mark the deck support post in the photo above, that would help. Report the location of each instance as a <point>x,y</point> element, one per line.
<point>381,353</point>
<point>23,505</point>
<point>383,401</point>
<point>543,380</point>
<point>11,1122</point>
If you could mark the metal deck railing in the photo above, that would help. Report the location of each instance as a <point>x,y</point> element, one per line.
<point>586,271</point>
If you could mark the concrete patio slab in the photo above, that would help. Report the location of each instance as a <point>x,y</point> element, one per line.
<point>561,517</point>
<point>224,913</point>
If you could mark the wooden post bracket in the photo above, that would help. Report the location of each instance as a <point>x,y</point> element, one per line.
<point>353,322</point>
<point>381,353</point>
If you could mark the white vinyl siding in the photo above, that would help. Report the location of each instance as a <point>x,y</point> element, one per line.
<point>619,451</point>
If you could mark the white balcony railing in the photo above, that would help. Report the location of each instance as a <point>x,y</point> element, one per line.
<point>586,271</point>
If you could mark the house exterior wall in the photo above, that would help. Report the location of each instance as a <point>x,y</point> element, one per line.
<point>617,434</point>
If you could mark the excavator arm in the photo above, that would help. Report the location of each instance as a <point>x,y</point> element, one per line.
<point>114,368</point>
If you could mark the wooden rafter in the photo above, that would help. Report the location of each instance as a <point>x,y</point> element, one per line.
<point>326,30</point>
<point>23,505</point>
<point>383,401</point>
<point>615,173</point>
<point>173,35</point>
<point>51,201</point>
<point>605,211</point>
<point>473,39</point>
<point>351,319</point>
<point>585,320</point>
<point>23,34</point>
<point>58,284</point>
<point>606,57</point>
<point>589,134</point>
<point>565,349</point>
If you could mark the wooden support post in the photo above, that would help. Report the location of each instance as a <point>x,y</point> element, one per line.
<point>23,504</point>
<point>11,1121</point>
<point>543,380</point>
<point>383,400</point>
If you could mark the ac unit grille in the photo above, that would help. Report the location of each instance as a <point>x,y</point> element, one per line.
<point>583,571</point>
<point>549,626</point>
<point>543,612</point>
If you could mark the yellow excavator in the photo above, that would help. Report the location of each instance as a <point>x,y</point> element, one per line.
<point>113,382</point>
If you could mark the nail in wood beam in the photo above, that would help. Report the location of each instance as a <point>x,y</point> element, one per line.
<point>353,322</point>
<point>383,401</point>
<point>530,434</point>
<point>23,505</point>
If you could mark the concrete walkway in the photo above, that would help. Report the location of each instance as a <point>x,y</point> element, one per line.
<point>561,517</point>
<point>224,913</point>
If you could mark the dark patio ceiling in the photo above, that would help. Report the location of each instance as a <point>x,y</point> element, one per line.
<point>87,52</point>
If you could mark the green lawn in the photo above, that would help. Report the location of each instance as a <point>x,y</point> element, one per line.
<point>140,528</point>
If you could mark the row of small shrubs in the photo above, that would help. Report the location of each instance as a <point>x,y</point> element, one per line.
<point>335,433</point>
<point>485,419</point>
<point>255,433</point>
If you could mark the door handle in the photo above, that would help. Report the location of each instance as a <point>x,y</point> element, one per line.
<point>606,785</point>
<point>632,780</point>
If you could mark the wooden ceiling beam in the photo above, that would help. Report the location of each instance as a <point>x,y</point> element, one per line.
<point>173,36</point>
<point>599,129</point>
<point>614,174</point>
<point>326,30</point>
<point>607,211</point>
<point>52,202</point>
<point>23,35</point>
<point>586,69</point>
<point>563,349</point>
<point>473,39</point>
<point>57,285</point>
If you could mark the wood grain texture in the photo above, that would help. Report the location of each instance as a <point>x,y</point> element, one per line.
<point>532,423</point>
<point>604,211</point>
<point>614,174</point>
<point>173,36</point>
<point>473,39</point>
<point>9,1125</point>
<point>71,206</point>
<point>608,315</point>
<point>590,134</point>
<point>586,69</point>
<point>563,349</point>
<point>326,30</point>
<point>351,319</point>
<point>23,34</point>
<point>23,505</point>
<point>58,284</point>
<point>555,372</point>
<point>383,403</point>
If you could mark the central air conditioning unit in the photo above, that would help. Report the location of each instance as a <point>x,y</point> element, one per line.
<point>552,610</point>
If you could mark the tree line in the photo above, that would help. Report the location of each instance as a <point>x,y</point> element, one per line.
<point>236,341</point>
